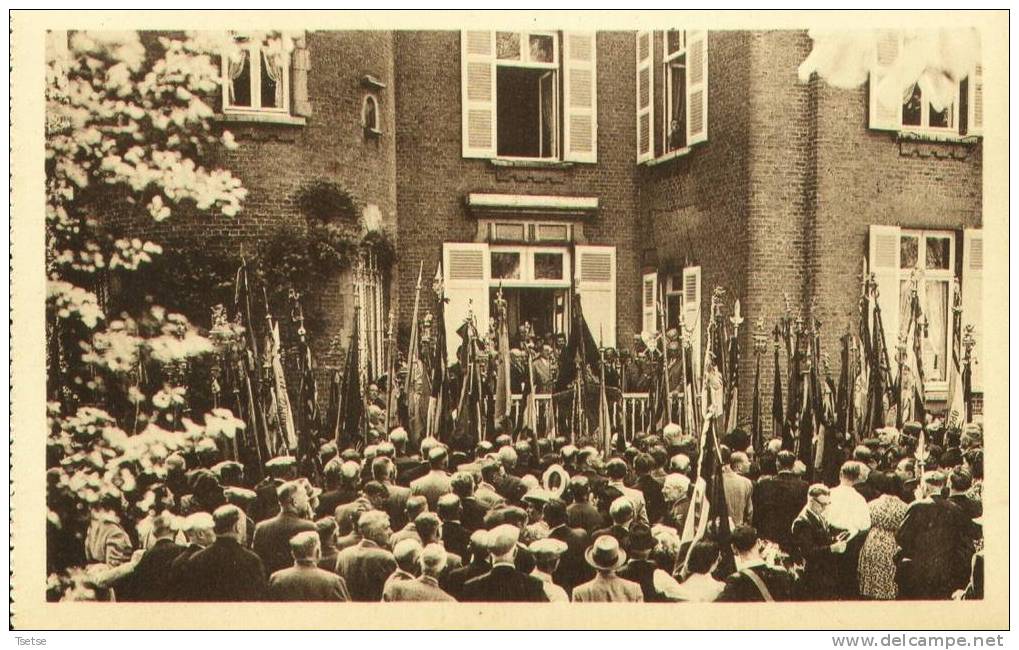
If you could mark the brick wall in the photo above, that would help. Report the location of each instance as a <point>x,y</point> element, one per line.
<point>275,162</point>
<point>433,177</point>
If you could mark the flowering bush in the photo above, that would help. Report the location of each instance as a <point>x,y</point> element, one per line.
<point>128,119</point>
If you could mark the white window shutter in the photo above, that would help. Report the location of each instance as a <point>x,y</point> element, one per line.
<point>649,302</point>
<point>477,91</point>
<point>645,97</point>
<point>466,271</point>
<point>580,100</point>
<point>885,115</point>
<point>972,299</point>
<point>692,311</point>
<point>595,279</point>
<point>883,260</point>
<point>696,87</point>
<point>975,102</point>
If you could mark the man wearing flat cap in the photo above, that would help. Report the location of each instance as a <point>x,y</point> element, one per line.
<point>436,482</point>
<point>606,557</point>
<point>546,554</point>
<point>305,581</point>
<point>504,583</point>
<point>272,536</point>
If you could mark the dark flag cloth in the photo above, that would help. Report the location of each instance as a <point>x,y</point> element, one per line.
<point>580,350</point>
<point>778,425</point>
<point>732,385</point>
<point>709,511</point>
<point>332,418</point>
<point>469,424</point>
<point>880,379</point>
<point>843,391</point>
<point>349,432</point>
<point>438,410</point>
<point>756,432</point>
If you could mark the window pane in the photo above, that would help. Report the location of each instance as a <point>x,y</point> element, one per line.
<point>674,40</point>
<point>908,252</point>
<point>519,116</point>
<point>911,108</point>
<point>942,119</point>
<point>548,266</point>
<point>240,80</point>
<point>677,104</point>
<point>505,266</point>
<point>938,250</point>
<point>935,347</point>
<point>542,48</point>
<point>272,75</point>
<point>507,45</point>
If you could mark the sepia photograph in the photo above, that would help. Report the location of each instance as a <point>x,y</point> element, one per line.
<point>485,309</point>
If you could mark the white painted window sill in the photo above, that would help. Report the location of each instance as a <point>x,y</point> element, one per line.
<point>262,117</point>
<point>672,155</point>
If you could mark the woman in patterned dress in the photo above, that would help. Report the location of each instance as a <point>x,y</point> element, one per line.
<point>877,564</point>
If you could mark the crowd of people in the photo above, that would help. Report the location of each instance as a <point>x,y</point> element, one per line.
<point>541,520</point>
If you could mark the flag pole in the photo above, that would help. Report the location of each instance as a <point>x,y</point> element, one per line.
<point>412,353</point>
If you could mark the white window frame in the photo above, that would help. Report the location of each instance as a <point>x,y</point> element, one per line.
<point>946,276</point>
<point>924,127</point>
<point>527,277</point>
<point>554,67</point>
<point>673,294</point>
<point>255,62</point>
<point>667,69</point>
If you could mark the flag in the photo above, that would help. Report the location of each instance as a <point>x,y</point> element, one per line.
<point>281,410</point>
<point>308,404</point>
<point>580,351</point>
<point>529,414</point>
<point>956,412</point>
<point>778,427</point>
<point>351,410</point>
<point>436,406</point>
<point>604,416</point>
<point>332,421</point>
<point>708,504</point>
<point>880,376</point>
<point>732,375</point>
<point>756,432</point>
<point>503,387</point>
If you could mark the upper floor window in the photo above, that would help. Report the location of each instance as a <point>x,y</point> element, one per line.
<point>256,79</point>
<point>529,95</point>
<point>673,114</point>
<point>916,114</point>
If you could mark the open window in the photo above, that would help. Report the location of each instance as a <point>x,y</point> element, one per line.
<point>528,95</point>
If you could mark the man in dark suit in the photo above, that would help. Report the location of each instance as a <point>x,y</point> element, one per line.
<point>278,471</point>
<point>959,483</point>
<point>778,500</point>
<point>905,472</point>
<point>384,471</point>
<point>272,536</point>
<point>479,565</point>
<point>509,485</point>
<point>305,581</point>
<point>639,568</point>
<point>504,583</point>
<point>150,579</point>
<point>582,513</point>
<point>455,537</point>
<point>403,461</point>
<point>644,464</point>
<point>341,479</point>
<point>936,545</point>
<point>869,488</point>
<point>225,571</point>
<point>814,540</point>
<point>199,531</point>
<point>472,510</point>
<point>621,514</point>
<point>756,581</point>
<point>366,565</point>
<point>573,569</point>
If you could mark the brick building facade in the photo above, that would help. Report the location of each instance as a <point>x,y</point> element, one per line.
<point>533,162</point>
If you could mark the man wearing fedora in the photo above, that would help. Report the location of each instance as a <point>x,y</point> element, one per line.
<point>504,583</point>
<point>272,536</point>
<point>607,557</point>
<point>640,568</point>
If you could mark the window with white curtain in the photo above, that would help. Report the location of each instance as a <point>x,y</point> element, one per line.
<point>931,254</point>
<point>256,79</point>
